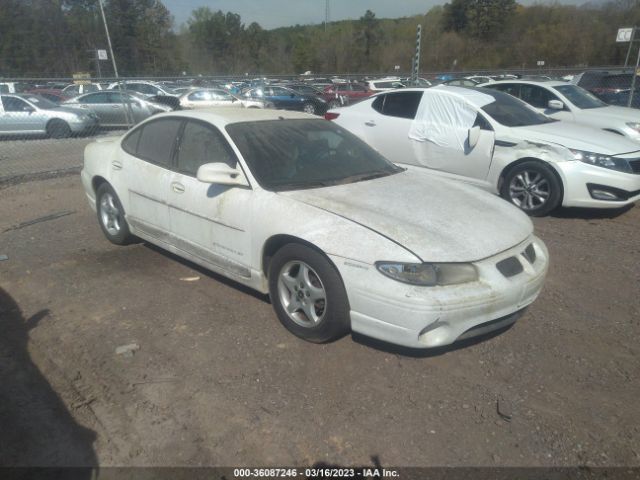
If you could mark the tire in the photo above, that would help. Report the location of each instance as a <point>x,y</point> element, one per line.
<point>292,293</point>
<point>334,104</point>
<point>111,216</point>
<point>533,187</point>
<point>58,129</point>
<point>309,108</point>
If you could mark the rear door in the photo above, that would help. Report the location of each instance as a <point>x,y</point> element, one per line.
<point>99,103</point>
<point>386,126</point>
<point>146,171</point>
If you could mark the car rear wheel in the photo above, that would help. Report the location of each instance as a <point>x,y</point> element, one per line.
<point>58,129</point>
<point>533,187</point>
<point>309,108</point>
<point>308,294</point>
<point>111,216</point>
<point>334,104</point>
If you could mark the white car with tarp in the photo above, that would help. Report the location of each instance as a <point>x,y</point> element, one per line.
<point>497,142</point>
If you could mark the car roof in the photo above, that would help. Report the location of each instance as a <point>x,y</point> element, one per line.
<point>225,116</point>
<point>542,83</point>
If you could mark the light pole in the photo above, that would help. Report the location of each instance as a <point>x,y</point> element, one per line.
<point>113,61</point>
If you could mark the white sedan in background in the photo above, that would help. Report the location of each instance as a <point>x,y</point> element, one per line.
<point>301,209</point>
<point>571,103</point>
<point>216,97</point>
<point>497,142</point>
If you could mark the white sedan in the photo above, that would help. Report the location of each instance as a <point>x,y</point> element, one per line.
<point>499,143</point>
<point>571,103</point>
<point>339,237</point>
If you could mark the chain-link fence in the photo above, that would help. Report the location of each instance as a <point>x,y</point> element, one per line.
<point>45,123</point>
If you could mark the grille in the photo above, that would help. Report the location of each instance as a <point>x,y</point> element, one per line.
<point>509,267</point>
<point>530,254</point>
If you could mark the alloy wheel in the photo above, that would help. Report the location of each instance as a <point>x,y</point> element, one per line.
<point>110,214</point>
<point>302,294</point>
<point>529,190</point>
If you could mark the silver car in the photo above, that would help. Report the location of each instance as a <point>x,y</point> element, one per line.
<point>216,97</point>
<point>116,109</point>
<point>27,114</point>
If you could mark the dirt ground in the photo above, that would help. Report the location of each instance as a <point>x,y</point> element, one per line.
<point>218,381</point>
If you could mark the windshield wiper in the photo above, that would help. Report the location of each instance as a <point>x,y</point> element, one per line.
<point>366,176</point>
<point>300,185</point>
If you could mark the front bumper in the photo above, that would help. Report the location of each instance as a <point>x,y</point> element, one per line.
<point>577,177</point>
<point>426,317</point>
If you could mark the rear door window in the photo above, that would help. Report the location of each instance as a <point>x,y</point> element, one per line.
<point>157,141</point>
<point>402,104</point>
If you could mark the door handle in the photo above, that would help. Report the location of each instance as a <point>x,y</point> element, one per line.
<point>177,187</point>
<point>116,165</point>
<point>370,123</point>
<point>115,106</point>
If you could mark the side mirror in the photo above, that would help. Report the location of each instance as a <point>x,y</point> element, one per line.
<point>221,174</point>
<point>555,105</point>
<point>474,136</point>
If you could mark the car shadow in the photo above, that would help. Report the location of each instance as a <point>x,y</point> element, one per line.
<point>430,352</point>
<point>206,272</point>
<point>590,213</point>
<point>36,429</point>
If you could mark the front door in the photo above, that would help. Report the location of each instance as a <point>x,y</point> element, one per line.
<point>20,116</point>
<point>209,221</point>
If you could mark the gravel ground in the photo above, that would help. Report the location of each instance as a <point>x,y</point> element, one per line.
<point>218,381</point>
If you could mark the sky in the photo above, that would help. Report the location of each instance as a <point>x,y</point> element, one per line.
<point>279,13</point>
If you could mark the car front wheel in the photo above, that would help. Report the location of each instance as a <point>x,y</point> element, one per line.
<point>307,294</point>
<point>111,216</point>
<point>533,187</point>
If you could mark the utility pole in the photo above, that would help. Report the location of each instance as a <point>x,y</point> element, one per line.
<point>416,59</point>
<point>113,61</point>
<point>327,13</point>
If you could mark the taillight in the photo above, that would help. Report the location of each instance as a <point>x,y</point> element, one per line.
<point>331,116</point>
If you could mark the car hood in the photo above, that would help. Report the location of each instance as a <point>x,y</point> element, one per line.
<point>579,137</point>
<point>436,219</point>
<point>617,114</point>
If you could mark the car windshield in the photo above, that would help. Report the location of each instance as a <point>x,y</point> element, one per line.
<point>580,97</point>
<point>41,102</point>
<point>293,154</point>
<point>512,112</point>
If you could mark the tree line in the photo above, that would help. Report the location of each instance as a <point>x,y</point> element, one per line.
<point>48,38</point>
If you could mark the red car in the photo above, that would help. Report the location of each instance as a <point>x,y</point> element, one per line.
<point>353,91</point>
<point>56,96</point>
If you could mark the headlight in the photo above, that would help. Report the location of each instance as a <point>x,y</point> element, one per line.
<point>634,126</point>
<point>429,274</point>
<point>601,160</point>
